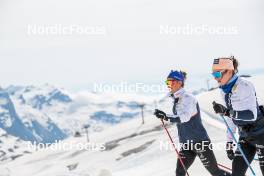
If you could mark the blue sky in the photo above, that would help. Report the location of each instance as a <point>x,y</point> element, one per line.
<point>132,49</point>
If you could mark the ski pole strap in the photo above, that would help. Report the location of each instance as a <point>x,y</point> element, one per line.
<point>175,148</point>
<point>238,146</point>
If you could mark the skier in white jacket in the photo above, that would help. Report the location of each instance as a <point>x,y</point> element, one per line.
<point>186,115</point>
<point>242,111</point>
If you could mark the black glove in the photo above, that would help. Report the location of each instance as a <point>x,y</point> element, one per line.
<point>160,114</point>
<point>229,150</point>
<point>220,109</point>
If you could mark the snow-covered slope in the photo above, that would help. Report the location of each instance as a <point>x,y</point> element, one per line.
<point>46,114</point>
<point>11,147</point>
<point>131,149</point>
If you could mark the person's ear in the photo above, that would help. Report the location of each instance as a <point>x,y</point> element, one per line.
<point>181,83</point>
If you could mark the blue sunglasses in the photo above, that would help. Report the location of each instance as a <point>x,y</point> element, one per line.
<point>218,74</point>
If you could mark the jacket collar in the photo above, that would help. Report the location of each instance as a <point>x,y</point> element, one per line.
<point>227,88</point>
<point>178,93</point>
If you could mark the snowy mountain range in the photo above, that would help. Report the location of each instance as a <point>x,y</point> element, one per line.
<point>46,114</point>
<point>20,116</point>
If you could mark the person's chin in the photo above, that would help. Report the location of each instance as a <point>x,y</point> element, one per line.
<point>221,84</point>
<point>171,91</point>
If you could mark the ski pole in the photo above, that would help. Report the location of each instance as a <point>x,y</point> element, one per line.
<point>175,148</point>
<point>227,168</point>
<point>238,145</point>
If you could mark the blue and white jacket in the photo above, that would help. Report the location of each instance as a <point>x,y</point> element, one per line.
<point>240,96</point>
<point>186,113</point>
